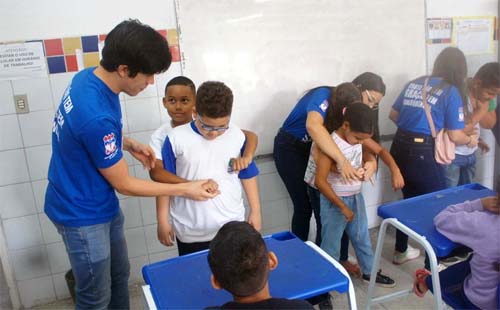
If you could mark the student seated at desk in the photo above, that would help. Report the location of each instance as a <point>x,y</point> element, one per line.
<point>475,224</point>
<point>240,264</point>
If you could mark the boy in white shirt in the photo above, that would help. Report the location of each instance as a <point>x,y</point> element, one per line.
<point>205,147</point>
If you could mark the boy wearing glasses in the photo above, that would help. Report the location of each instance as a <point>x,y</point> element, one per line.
<point>204,149</point>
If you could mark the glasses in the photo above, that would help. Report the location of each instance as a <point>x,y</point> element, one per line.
<point>371,101</point>
<point>210,128</point>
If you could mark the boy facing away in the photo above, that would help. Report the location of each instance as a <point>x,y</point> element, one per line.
<point>342,204</point>
<point>205,147</point>
<point>240,264</point>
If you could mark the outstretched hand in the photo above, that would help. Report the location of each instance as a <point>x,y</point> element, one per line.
<point>142,152</point>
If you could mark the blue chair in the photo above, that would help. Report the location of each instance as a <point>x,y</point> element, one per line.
<point>452,280</point>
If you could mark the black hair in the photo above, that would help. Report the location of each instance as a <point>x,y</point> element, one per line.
<point>359,117</point>
<point>450,65</point>
<point>489,75</point>
<point>214,99</point>
<point>238,259</point>
<point>343,95</point>
<point>183,81</point>
<point>138,46</point>
<point>370,81</point>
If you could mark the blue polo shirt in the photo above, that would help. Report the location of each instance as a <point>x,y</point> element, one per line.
<point>86,136</point>
<point>444,99</point>
<point>315,100</point>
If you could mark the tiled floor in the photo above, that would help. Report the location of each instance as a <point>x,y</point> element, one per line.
<point>403,275</point>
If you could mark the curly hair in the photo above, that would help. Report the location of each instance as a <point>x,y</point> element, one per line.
<point>214,99</point>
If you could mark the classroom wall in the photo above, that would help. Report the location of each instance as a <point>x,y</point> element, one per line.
<point>31,251</point>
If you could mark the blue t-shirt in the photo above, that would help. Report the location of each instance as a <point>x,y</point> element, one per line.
<point>444,99</point>
<point>315,100</point>
<point>86,136</point>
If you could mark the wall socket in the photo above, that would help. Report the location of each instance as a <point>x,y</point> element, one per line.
<point>21,103</point>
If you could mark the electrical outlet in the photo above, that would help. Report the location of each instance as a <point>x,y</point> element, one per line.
<point>21,103</point>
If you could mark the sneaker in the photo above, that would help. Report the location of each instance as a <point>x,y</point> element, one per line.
<point>382,280</point>
<point>401,258</point>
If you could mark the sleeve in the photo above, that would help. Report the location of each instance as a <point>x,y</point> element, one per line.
<point>462,222</point>
<point>169,159</point>
<point>454,111</point>
<point>250,171</point>
<point>156,143</point>
<point>102,139</point>
<point>318,101</point>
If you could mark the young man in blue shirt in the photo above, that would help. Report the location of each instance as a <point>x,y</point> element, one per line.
<point>87,164</point>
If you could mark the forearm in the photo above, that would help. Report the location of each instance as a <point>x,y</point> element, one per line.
<point>327,191</point>
<point>132,186</point>
<point>163,209</point>
<point>458,137</point>
<point>251,188</point>
<point>159,174</point>
<point>251,144</point>
<point>489,120</point>
<point>389,161</point>
<point>325,142</point>
<point>127,143</point>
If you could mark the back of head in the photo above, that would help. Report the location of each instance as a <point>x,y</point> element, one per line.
<point>489,75</point>
<point>182,81</point>
<point>343,95</point>
<point>359,117</point>
<point>137,46</point>
<point>214,100</point>
<point>370,81</point>
<point>239,259</point>
<point>450,65</point>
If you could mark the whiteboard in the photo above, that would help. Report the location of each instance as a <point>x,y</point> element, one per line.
<point>270,51</point>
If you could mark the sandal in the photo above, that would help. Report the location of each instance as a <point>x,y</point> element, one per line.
<point>351,268</point>
<point>420,276</point>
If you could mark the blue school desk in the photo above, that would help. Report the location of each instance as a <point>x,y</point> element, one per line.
<point>303,271</point>
<point>414,217</point>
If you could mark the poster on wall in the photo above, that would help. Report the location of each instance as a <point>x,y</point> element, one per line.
<point>474,35</point>
<point>22,60</point>
<point>439,30</point>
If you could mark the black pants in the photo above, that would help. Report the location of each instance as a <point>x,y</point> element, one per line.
<point>187,248</point>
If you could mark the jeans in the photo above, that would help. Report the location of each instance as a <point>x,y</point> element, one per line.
<point>291,156</point>
<point>99,261</point>
<point>314,197</point>
<point>334,224</point>
<point>461,171</point>
<point>421,172</point>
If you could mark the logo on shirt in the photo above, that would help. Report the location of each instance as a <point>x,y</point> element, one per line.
<point>461,114</point>
<point>323,106</point>
<point>109,143</point>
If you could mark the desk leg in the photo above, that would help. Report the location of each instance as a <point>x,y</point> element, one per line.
<point>438,304</point>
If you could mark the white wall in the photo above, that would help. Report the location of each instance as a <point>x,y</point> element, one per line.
<point>28,241</point>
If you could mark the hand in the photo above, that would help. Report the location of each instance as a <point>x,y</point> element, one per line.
<point>491,204</point>
<point>398,181</point>
<point>196,190</point>
<point>483,146</point>
<point>143,153</point>
<point>469,129</point>
<point>348,173</point>
<point>474,139</point>
<point>166,234</point>
<point>349,215</point>
<point>370,167</point>
<point>211,186</point>
<point>240,163</point>
<point>255,220</point>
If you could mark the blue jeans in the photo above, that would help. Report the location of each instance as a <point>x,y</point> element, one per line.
<point>461,171</point>
<point>414,155</point>
<point>99,261</point>
<point>334,224</point>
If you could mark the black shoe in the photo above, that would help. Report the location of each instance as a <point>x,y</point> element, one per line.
<point>382,280</point>
<point>326,304</point>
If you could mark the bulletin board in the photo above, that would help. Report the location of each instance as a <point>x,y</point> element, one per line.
<point>270,52</point>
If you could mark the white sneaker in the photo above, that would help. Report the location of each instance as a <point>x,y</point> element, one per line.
<point>401,258</point>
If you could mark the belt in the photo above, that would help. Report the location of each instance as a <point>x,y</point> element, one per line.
<point>413,137</point>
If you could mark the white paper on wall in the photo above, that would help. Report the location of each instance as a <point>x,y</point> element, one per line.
<point>22,61</point>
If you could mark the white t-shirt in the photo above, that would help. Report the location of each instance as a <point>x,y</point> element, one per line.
<point>464,149</point>
<point>158,138</point>
<point>190,156</point>
<point>354,154</point>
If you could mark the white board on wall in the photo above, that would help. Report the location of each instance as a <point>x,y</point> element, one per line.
<point>270,52</point>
